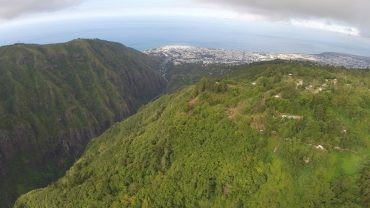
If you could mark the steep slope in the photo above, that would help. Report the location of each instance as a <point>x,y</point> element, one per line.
<point>55,98</point>
<point>271,135</point>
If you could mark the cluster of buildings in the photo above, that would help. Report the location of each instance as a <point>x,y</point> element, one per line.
<point>181,54</point>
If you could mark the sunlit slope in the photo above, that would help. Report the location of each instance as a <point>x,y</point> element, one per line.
<point>270,135</point>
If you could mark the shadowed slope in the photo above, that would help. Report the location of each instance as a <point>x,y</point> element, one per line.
<point>55,98</point>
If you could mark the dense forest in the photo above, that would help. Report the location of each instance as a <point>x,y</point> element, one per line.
<point>55,98</point>
<point>276,134</point>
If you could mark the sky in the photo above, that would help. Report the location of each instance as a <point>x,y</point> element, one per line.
<point>342,20</point>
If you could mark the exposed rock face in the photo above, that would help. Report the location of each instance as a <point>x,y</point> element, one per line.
<point>55,98</point>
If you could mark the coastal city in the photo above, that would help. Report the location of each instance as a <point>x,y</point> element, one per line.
<point>183,54</point>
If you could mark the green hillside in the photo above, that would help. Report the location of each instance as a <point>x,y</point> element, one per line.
<point>55,98</point>
<point>276,134</point>
<point>186,74</point>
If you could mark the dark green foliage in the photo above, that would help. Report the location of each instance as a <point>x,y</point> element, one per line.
<point>186,74</point>
<point>364,182</point>
<point>206,84</point>
<point>263,139</point>
<point>55,98</point>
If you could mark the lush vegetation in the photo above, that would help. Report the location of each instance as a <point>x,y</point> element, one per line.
<point>276,134</point>
<point>55,98</point>
<point>181,75</point>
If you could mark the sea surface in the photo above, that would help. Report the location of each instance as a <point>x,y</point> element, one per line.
<point>149,32</point>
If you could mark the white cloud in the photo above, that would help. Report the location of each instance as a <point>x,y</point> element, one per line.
<point>327,26</point>
<point>346,16</point>
<point>118,8</point>
<point>342,16</point>
<point>15,8</point>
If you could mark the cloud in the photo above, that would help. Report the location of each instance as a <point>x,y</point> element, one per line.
<point>14,8</point>
<point>351,13</point>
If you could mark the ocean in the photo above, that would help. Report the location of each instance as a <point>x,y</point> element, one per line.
<point>150,32</point>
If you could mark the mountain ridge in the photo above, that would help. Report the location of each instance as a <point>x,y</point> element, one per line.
<point>269,134</point>
<point>55,98</point>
